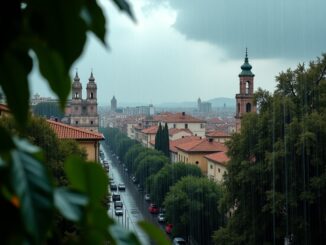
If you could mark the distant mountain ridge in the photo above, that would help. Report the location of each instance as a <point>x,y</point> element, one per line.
<point>216,102</point>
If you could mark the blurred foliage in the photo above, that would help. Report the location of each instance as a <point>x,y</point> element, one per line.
<point>52,35</point>
<point>276,181</point>
<point>192,208</point>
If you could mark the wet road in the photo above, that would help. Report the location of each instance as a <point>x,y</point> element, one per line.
<point>133,211</point>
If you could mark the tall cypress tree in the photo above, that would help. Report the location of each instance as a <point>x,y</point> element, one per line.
<point>158,138</point>
<point>165,140</point>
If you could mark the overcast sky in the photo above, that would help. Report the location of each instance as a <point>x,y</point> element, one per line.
<point>180,50</point>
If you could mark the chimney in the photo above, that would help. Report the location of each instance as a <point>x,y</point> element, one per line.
<point>183,113</point>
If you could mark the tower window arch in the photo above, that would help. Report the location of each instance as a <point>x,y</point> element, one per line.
<point>247,87</point>
<point>76,95</point>
<point>248,107</point>
<point>91,96</point>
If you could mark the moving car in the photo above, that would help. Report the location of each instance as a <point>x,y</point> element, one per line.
<point>113,187</point>
<point>116,197</point>
<point>118,211</point>
<point>153,209</point>
<point>179,241</point>
<point>118,204</point>
<point>121,187</point>
<point>161,218</point>
<point>168,228</point>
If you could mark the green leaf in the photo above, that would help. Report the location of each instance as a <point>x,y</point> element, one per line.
<point>87,177</point>
<point>70,203</point>
<point>52,68</point>
<point>97,224</point>
<point>95,19</point>
<point>124,6</point>
<point>6,143</point>
<point>154,233</point>
<point>31,184</point>
<point>15,67</point>
<point>122,236</point>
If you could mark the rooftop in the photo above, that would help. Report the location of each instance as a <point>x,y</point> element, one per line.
<point>178,142</point>
<point>64,131</point>
<point>177,117</point>
<point>218,157</point>
<point>202,145</point>
<point>217,134</point>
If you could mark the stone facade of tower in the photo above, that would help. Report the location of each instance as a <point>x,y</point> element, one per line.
<point>83,112</point>
<point>245,99</point>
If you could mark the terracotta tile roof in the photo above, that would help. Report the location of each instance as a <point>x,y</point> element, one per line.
<point>202,145</point>
<point>178,142</point>
<point>150,130</point>
<point>64,131</point>
<point>218,157</point>
<point>177,117</point>
<point>218,134</point>
<point>173,131</point>
<point>4,107</point>
<point>215,120</point>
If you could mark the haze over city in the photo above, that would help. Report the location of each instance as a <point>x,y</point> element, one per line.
<point>178,51</point>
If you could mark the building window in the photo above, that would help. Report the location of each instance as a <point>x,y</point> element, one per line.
<point>76,95</point>
<point>197,162</point>
<point>76,108</point>
<point>91,95</point>
<point>76,122</point>
<point>211,166</point>
<point>247,87</point>
<point>201,125</point>
<point>174,125</point>
<point>219,170</point>
<point>92,122</point>
<point>186,125</point>
<point>248,107</point>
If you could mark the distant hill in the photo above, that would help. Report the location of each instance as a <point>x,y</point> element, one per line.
<point>216,102</point>
<point>219,102</point>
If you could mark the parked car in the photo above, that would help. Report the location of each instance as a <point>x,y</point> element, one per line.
<point>121,187</point>
<point>179,241</point>
<point>118,211</point>
<point>113,187</point>
<point>116,197</point>
<point>147,197</point>
<point>153,209</point>
<point>161,218</point>
<point>168,228</point>
<point>117,204</point>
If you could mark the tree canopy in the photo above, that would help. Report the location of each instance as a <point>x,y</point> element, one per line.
<point>192,208</point>
<point>276,181</point>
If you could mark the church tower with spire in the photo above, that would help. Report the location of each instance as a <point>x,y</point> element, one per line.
<point>83,112</point>
<point>245,99</point>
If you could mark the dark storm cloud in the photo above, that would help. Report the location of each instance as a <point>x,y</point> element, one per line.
<point>270,28</point>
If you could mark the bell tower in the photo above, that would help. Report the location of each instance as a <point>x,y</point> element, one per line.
<point>245,99</point>
<point>76,94</point>
<point>91,104</point>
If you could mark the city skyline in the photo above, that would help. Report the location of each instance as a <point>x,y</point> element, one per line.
<point>160,52</point>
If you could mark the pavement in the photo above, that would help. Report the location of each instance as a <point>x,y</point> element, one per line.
<point>135,206</point>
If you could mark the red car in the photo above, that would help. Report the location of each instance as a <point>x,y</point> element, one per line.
<point>153,209</point>
<point>168,228</point>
